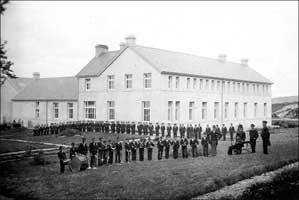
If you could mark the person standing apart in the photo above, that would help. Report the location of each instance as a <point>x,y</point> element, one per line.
<point>231,132</point>
<point>213,137</point>
<point>253,135</point>
<point>265,137</point>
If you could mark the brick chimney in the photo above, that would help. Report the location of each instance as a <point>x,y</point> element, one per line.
<point>101,49</point>
<point>244,61</point>
<point>131,40</point>
<point>222,57</point>
<point>36,75</point>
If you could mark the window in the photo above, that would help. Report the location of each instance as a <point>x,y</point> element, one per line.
<point>147,77</point>
<point>257,89</point>
<point>177,82</point>
<point>247,88</point>
<point>110,81</point>
<point>228,86</point>
<point>188,83</point>
<point>226,105</point>
<point>146,111</point>
<point>253,88</point>
<point>128,81</point>
<point>223,86</point>
<point>207,84</point>
<point>244,110</point>
<point>238,88</point>
<point>204,110</point>
<point>191,110</point>
<point>177,111</point>
<point>265,109</point>
<point>169,82</point>
<point>236,110</point>
<point>194,83</point>
<point>212,84</point>
<point>216,110</point>
<point>255,109</point>
<point>111,110</point>
<point>234,87</point>
<point>37,110</point>
<point>87,84</point>
<point>218,85</point>
<point>169,111</point>
<point>70,110</point>
<point>243,88</point>
<point>263,90</point>
<point>55,110</point>
<point>200,84</point>
<point>90,109</point>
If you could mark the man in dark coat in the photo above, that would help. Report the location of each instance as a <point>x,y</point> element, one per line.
<point>182,130</point>
<point>224,131</point>
<point>118,127</point>
<point>139,128</point>
<point>151,129</point>
<point>133,127</point>
<point>141,146</point>
<point>231,131</point>
<point>184,144</point>
<point>168,130</point>
<point>205,145</point>
<point>265,134</point>
<point>73,151</point>
<point>122,127</point>
<point>62,159</point>
<point>128,150</point>
<point>111,149</point>
<point>196,131</point>
<point>193,143</point>
<point>128,128</point>
<point>175,147</point>
<point>162,129</point>
<point>93,149</point>
<point>241,133</point>
<point>134,149</point>
<point>118,149</point>
<point>83,148</point>
<point>105,153</point>
<point>113,126</point>
<point>166,144</point>
<point>208,129</point>
<point>253,135</point>
<point>214,136</point>
<point>175,130</point>
<point>145,128</point>
<point>199,131</point>
<point>149,146</point>
<point>160,148</point>
<point>157,129</point>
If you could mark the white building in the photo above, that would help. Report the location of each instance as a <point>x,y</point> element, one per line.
<point>137,83</point>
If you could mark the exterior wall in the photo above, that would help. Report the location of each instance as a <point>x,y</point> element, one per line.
<point>7,93</point>
<point>127,101</point>
<point>25,110</point>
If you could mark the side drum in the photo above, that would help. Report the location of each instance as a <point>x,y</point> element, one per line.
<point>79,162</point>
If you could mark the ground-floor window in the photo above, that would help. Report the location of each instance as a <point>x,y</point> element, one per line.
<point>70,110</point>
<point>236,110</point>
<point>191,110</point>
<point>204,110</point>
<point>216,110</point>
<point>265,109</point>
<point>245,110</point>
<point>177,111</point>
<point>90,109</point>
<point>169,110</point>
<point>56,110</point>
<point>111,110</point>
<point>146,111</point>
<point>37,110</point>
<point>226,105</point>
<point>255,109</point>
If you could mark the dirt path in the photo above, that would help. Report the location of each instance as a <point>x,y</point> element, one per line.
<point>237,189</point>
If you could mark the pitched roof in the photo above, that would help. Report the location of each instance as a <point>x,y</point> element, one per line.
<point>174,62</point>
<point>60,88</point>
<point>19,83</point>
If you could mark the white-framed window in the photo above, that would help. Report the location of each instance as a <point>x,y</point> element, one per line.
<point>194,83</point>
<point>177,82</point>
<point>191,110</point>
<point>207,84</point>
<point>238,88</point>
<point>87,83</point>
<point>243,88</point>
<point>110,81</point>
<point>212,84</point>
<point>265,109</point>
<point>200,84</point>
<point>253,89</point>
<point>188,82</point>
<point>90,109</point>
<point>247,88</point>
<point>169,82</point>
<point>169,110</point>
<point>128,81</point>
<point>226,107</point>
<point>234,87</point>
<point>218,85</point>
<point>37,110</point>
<point>236,110</point>
<point>55,110</point>
<point>255,110</point>
<point>111,110</point>
<point>228,86</point>
<point>204,110</point>
<point>147,80</point>
<point>216,110</point>
<point>177,111</point>
<point>245,110</point>
<point>70,110</point>
<point>146,111</point>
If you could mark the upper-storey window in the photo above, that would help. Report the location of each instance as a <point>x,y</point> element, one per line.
<point>128,81</point>
<point>238,87</point>
<point>147,80</point>
<point>188,83</point>
<point>228,86</point>
<point>212,84</point>
<point>110,81</point>
<point>247,88</point>
<point>218,85</point>
<point>253,89</point>
<point>257,89</point>
<point>200,84</point>
<point>234,87</point>
<point>169,82</point>
<point>243,88</point>
<point>207,84</point>
<point>177,82</point>
<point>87,84</point>
<point>194,83</point>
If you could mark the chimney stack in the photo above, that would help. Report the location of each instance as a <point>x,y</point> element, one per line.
<point>244,62</point>
<point>101,49</point>
<point>122,45</point>
<point>222,57</point>
<point>131,40</point>
<point>36,75</point>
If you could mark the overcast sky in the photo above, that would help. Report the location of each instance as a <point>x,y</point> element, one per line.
<point>58,38</point>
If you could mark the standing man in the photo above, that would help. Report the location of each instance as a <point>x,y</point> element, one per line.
<point>62,159</point>
<point>196,131</point>
<point>141,147</point>
<point>157,129</point>
<point>93,149</point>
<point>163,129</point>
<point>111,149</point>
<point>208,129</point>
<point>188,131</point>
<point>128,150</point>
<point>118,148</point>
<point>113,127</point>
<point>149,146</point>
<point>128,128</point>
<point>231,132</point>
<point>133,127</point>
<point>118,127</point>
<point>160,148</point>
<point>175,130</point>
<point>205,145</point>
<point>199,131</point>
<point>182,131</point>
<point>168,130</point>
<point>166,144</point>
<point>213,138</point>
<point>139,128</point>
<point>265,134</point>
<point>151,129</point>
<point>134,149</point>
<point>224,131</point>
<point>123,127</point>
<point>253,135</point>
<point>184,144</point>
<point>194,142</point>
<point>145,128</point>
<point>241,133</point>
<point>175,147</point>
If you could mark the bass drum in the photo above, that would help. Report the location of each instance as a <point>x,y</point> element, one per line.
<point>79,162</point>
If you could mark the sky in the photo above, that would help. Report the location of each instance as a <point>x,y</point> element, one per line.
<point>57,38</point>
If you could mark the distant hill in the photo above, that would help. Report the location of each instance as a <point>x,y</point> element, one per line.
<point>285,107</point>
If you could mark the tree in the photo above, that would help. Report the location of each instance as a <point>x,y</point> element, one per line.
<point>6,71</point>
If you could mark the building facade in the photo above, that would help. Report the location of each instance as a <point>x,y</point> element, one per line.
<point>137,83</point>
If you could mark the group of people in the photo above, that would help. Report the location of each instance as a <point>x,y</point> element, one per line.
<point>106,152</point>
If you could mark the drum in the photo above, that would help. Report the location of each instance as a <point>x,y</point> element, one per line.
<point>79,162</point>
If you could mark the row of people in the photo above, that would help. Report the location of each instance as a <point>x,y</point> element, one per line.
<point>144,128</point>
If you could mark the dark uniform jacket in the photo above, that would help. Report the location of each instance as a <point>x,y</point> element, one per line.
<point>157,129</point>
<point>266,135</point>
<point>82,149</point>
<point>93,148</point>
<point>253,134</point>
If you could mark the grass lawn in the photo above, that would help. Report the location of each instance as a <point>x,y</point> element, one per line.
<point>12,146</point>
<point>166,179</point>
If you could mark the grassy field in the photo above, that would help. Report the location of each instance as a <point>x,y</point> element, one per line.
<point>12,146</point>
<point>166,179</point>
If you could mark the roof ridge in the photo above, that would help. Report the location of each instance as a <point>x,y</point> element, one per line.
<point>188,54</point>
